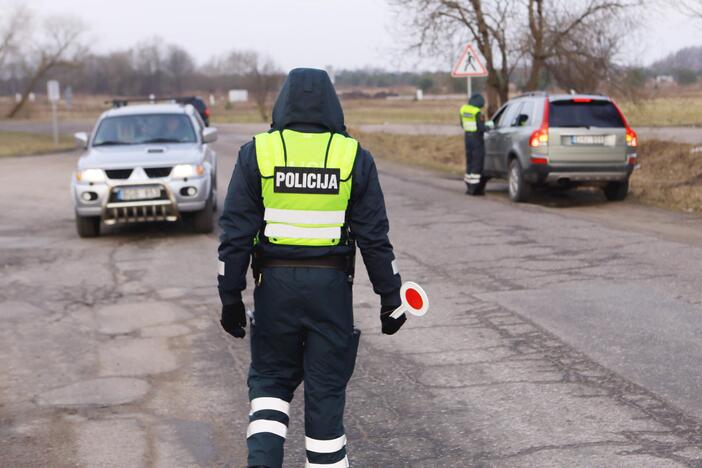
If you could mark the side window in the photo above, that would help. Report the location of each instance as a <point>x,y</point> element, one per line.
<point>509,115</point>
<point>525,116</point>
<point>497,118</point>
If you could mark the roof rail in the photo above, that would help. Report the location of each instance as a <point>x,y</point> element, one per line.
<point>122,102</point>
<point>532,93</point>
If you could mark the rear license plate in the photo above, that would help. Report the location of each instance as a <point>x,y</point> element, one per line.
<point>138,193</point>
<point>588,140</point>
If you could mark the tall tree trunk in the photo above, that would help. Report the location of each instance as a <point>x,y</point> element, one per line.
<point>31,84</point>
<point>536,28</point>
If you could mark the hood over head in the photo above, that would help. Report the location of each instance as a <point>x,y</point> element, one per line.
<point>308,97</point>
<point>477,100</point>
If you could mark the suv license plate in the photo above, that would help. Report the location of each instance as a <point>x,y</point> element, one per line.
<point>588,140</point>
<point>138,193</point>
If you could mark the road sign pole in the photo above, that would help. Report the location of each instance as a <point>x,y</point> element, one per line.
<point>470,87</point>
<point>55,119</point>
<point>53,92</point>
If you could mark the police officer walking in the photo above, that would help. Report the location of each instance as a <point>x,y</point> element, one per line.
<point>474,128</point>
<point>301,197</point>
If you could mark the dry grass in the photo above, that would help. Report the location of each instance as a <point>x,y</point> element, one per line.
<point>429,151</point>
<point>24,144</point>
<point>662,112</point>
<point>670,175</point>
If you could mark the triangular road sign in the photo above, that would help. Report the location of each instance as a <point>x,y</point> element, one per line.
<point>468,64</point>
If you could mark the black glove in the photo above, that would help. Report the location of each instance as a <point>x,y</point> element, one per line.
<point>234,319</point>
<point>391,325</point>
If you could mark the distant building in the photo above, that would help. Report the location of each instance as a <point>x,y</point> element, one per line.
<point>665,79</point>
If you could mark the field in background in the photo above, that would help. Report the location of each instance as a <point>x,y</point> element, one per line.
<point>670,175</point>
<point>677,110</point>
<point>21,144</point>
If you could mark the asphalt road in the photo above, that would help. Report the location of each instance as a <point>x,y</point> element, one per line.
<point>564,332</point>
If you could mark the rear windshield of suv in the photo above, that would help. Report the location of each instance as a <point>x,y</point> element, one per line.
<point>586,113</point>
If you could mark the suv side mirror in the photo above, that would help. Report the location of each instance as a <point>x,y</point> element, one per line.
<point>521,120</point>
<point>81,139</point>
<point>209,135</point>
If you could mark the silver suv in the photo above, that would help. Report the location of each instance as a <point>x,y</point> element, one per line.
<point>560,140</point>
<point>149,162</point>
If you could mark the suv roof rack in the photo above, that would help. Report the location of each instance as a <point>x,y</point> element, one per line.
<point>122,102</point>
<point>532,93</point>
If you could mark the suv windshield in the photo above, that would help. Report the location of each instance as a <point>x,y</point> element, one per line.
<point>145,128</point>
<point>584,113</point>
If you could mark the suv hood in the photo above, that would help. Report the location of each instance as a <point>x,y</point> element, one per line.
<point>126,156</point>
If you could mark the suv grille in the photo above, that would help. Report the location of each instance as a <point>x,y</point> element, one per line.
<point>118,173</point>
<point>158,171</point>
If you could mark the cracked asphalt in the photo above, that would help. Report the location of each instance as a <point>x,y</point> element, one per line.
<point>562,333</point>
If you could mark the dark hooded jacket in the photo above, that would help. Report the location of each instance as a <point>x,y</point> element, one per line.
<point>307,103</point>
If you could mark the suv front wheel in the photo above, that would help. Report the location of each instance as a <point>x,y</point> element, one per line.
<point>88,226</point>
<point>519,189</point>
<point>203,221</point>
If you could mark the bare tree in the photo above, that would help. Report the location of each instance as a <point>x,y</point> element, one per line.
<point>581,36</point>
<point>58,44</point>
<point>436,23</point>
<point>539,35</point>
<point>179,64</point>
<point>148,62</point>
<point>690,7</point>
<point>14,23</point>
<point>261,76</point>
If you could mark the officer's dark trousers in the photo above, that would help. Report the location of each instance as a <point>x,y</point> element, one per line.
<point>303,332</point>
<point>475,157</point>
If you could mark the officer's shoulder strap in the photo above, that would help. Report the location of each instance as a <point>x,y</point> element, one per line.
<point>342,154</point>
<point>269,152</point>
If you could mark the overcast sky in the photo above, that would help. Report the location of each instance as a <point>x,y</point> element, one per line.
<point>341,33</point>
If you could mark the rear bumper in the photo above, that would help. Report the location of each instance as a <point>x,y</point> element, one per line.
<point>583,173</point>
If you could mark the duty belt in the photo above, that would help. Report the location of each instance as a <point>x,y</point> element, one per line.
<point>336,262</point>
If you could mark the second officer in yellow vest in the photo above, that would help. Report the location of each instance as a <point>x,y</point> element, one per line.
<point>473,125</point>
<point>302,196</point>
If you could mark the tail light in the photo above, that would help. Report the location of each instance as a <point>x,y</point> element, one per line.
<point>632,139</point>
<point>540,136</point>
<point>207,111</point>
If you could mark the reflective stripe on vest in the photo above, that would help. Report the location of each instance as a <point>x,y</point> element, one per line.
<point>305,185</point>
<point>469,118</point>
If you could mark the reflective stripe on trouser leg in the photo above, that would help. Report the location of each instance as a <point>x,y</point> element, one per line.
<point>268,427</point>
<point>343,463</point>
<point>471,178</point>
<point>326,453</point>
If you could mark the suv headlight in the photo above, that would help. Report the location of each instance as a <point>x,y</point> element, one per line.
<point>91,175</point>
<point>181,171</point>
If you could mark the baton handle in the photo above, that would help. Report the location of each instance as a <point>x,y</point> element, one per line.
<point>398,312</point>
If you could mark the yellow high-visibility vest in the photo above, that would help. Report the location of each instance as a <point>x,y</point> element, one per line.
<point>469,118</point>
<point>306,186</point>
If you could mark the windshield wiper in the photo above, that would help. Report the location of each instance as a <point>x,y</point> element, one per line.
<point>112,142</point>
<point>160,140</point>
